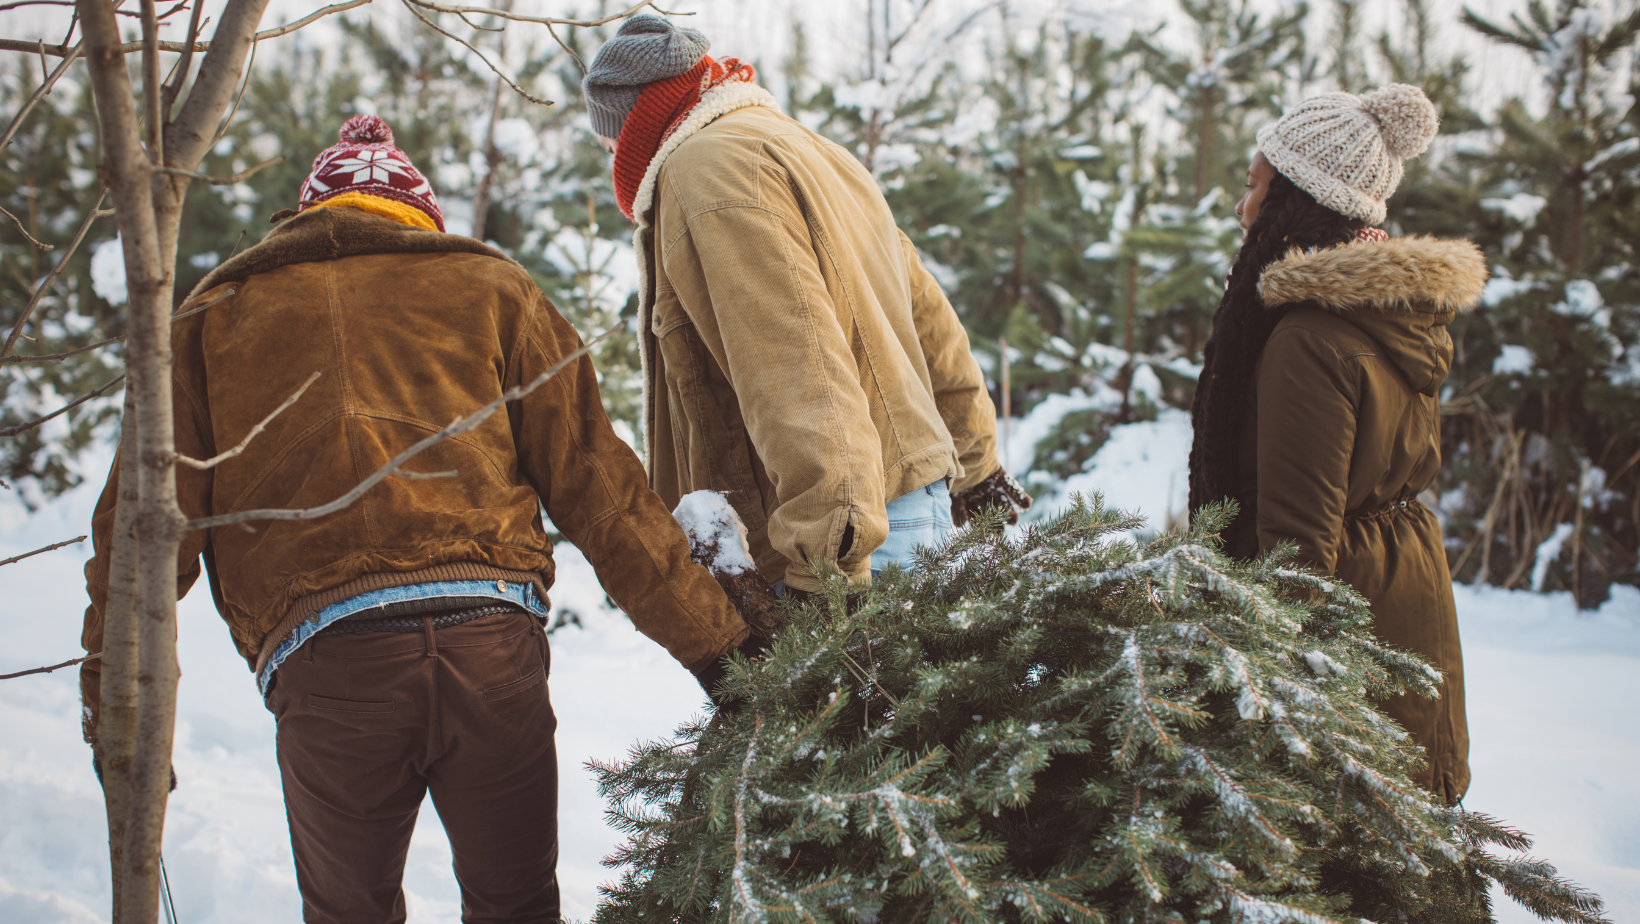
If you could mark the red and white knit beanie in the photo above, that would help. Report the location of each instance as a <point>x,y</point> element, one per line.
<point>367,162</point>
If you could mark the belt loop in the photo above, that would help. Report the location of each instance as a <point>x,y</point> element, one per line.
<point>432,644</point>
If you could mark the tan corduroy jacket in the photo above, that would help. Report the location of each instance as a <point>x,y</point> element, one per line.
<point>1349,434</point>
<point>410,329</point>
<point>798,356</point>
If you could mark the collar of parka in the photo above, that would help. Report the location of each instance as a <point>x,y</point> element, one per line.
<point>1402,292</point>
<point>331,234</point>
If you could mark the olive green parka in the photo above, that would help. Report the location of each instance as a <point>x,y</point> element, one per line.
<point>1348,435</point>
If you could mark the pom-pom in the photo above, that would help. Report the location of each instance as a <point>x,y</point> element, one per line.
<point>366,129</point>
<point>1407,120</point>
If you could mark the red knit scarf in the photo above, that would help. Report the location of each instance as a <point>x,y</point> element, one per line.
<point>660,109</point>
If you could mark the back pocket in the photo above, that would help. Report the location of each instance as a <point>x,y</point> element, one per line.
<point>332,704</point>
<point>521,685</point>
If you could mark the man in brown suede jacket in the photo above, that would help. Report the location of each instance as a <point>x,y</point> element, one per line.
<point>399,642</point>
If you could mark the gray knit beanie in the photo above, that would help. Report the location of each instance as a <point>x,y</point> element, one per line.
<point>1346,150</point>
<point>647,48</point>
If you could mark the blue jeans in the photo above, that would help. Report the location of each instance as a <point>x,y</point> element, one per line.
<point>921,518</point>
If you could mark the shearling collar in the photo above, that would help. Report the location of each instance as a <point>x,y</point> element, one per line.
<point>1403,274</point>
<point>333,233</point>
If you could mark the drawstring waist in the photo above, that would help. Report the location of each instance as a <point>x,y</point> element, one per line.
<point>1383,510</point>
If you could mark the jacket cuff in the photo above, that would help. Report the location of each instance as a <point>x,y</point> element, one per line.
<point>738,639</point>
<point>799,577</point>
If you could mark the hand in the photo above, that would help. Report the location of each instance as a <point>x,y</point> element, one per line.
<point>712,675</point>
<point>999,490</point>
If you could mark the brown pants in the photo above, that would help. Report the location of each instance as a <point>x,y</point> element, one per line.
<point>370,722</point>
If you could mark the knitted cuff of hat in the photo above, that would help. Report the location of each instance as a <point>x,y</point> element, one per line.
<point>663,105</point>
<point>1327,189</point>
<point>387,208</point>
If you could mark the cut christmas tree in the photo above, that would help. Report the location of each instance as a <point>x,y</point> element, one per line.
<point>1063,726</point>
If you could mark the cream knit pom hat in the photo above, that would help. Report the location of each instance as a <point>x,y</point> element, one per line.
<point>1346,150</point>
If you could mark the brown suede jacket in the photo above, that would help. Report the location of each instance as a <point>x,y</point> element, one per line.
<point>410,329</point>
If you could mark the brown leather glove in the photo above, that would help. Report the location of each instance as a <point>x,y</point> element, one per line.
<point>999,490</point>
<point>712,675</point>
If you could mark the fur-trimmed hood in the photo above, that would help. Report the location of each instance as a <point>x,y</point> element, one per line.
<point>1422,274</point>
<point>333,233</point>
<point>1401,292</point>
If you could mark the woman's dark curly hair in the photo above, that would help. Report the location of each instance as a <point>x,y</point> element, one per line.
<point>1288,218</point>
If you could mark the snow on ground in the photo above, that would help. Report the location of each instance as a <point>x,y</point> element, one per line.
<point>1551,704</point>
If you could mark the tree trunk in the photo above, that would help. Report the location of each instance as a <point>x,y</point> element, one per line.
<point>149,210</point>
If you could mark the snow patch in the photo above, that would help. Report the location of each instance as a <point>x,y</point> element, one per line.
<point>108,271</point>
<point>712,524</point>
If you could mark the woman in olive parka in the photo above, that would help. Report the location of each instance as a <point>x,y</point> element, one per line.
<point>1318,406</point>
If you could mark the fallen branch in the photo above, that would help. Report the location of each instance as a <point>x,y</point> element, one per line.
<point>220,180</point>
<point>39,94</point>
<point>221,457</point>
<point>460,426</point>
<point>56,271</point>
<point>54,546</point>
<point>24,231</point>
<point>54,667</point>
<point>25,427</point>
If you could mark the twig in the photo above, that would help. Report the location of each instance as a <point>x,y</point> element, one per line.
<point>54,667</point>
<point>39,94</point>
<point>13,6</point>
<point>193,311</point>
<point>25,427</point>
<point>460,426</point>
<point>242,233</point>
<point>56,271</point>
<point>53,547</point>
<point>246,85</point>
<point>54,357</point>
<point>180,72</point>
<point>151,83</point>
<point>179,47</point>
<point>221,180</point>
<point>411,6</point>
<point>19,223</point>
<point>537,20</point>
<point>221,457</point>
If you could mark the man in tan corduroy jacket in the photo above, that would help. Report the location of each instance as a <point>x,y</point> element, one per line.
<point>798,355</point>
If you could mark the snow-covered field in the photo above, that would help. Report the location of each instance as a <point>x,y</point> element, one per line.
<point>1552,697</point>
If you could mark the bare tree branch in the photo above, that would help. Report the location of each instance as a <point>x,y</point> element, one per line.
<point>24,231</point>
<point>191,135</point>
<point>56,271</point>
<point>411,6</point>
<point>220,180</point>
<point>54,357</point>
<point>25,427</point>
<point>243,86</point>
<point>538,20</point>
<point>179,47</point>
<point>39,94</point>
<point>151,83</point>
<point>180,72</point>
<point>54,546</point>
<point>462,425</point>
<point>221,457</point>
<point>54,667</point>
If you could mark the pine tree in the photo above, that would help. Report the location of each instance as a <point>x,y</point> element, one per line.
<point>1062,727</point>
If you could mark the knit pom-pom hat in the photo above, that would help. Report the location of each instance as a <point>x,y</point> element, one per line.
<point>1346,150</point>
<point>646,49</point>
<point>367,162</point>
